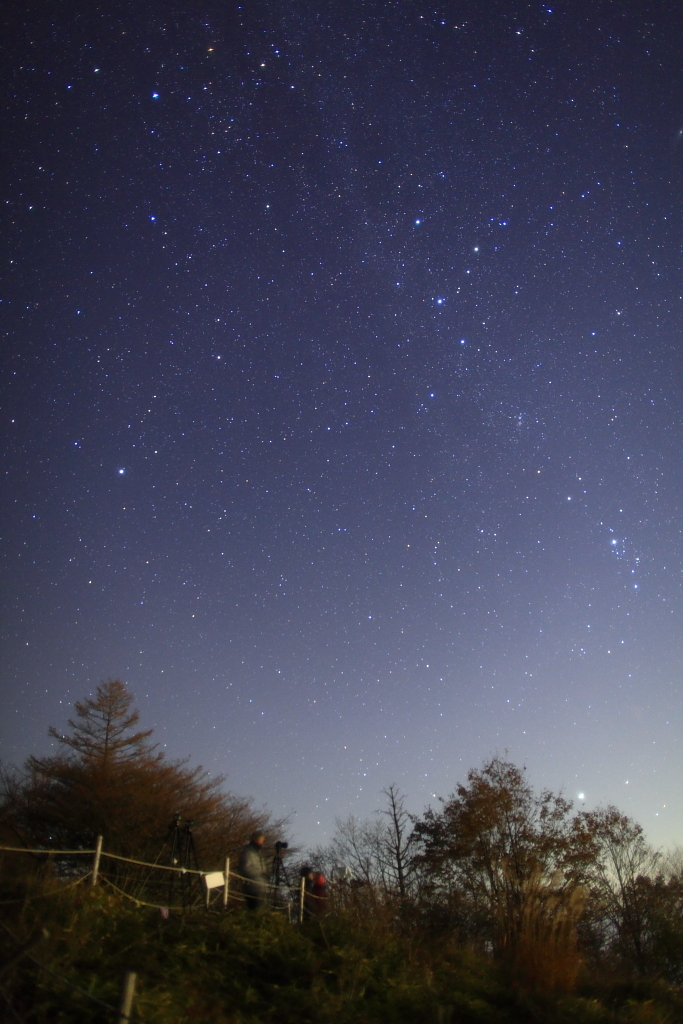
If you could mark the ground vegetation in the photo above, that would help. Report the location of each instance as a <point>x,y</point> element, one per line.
<point>500,904</point>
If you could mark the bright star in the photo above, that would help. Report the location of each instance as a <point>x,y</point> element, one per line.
<point>121,472</point>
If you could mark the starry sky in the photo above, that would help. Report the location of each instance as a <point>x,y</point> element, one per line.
<point>342,391</point>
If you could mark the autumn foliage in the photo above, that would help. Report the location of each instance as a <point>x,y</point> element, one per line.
<point>499,904</point>
<point>110,780</point>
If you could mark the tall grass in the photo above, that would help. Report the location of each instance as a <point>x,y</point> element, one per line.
<point>351,967</point>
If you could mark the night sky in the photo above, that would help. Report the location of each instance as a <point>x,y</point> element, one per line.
<point>343,392</point>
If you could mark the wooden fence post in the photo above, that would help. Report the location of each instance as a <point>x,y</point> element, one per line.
<point>302,895</point>
<point>127,996</point>
<point>226,883</point>
<point>96,861</point>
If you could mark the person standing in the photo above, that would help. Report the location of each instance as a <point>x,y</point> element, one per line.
<point>315,892</point>
<point>252,868</point>
<point>319,893</point>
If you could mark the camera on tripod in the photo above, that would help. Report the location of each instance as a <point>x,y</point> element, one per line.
<point>279,845</point>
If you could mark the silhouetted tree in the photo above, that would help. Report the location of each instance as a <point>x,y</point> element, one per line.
<point>376,851</point>
<point>101,732</point>
<point>110,780</point>
<point>396,844</point>
<point>663,898</point>
<point>621,883</point>
<point>505,859</point>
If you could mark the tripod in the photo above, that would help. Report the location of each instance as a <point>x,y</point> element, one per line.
<point>183,856</point>
<point>279,872</point>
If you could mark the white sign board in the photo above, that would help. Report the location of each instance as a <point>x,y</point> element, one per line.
<point>213,879</point>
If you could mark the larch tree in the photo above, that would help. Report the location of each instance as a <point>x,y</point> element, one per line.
<point>102,730</point>
<point>109,780</point>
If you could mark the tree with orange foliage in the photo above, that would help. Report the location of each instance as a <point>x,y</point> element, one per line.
<point>109,780</point>
<point>509,864</point>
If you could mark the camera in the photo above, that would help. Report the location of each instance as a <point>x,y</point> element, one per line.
<point>279,845</point>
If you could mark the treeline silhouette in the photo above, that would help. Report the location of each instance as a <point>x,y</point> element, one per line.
<point>499,904</point>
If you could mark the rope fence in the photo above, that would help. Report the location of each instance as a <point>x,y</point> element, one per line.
<point>195,887</point>
<point>146,864</point>
<point>45,895</point>
<point>137,902</point>
<point>52,853</point>
<point>224,880</point>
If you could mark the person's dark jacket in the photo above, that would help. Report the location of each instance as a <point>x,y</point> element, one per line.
<point>252,868</point>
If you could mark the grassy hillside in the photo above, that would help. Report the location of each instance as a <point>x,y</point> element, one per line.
<point>64,947</point>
